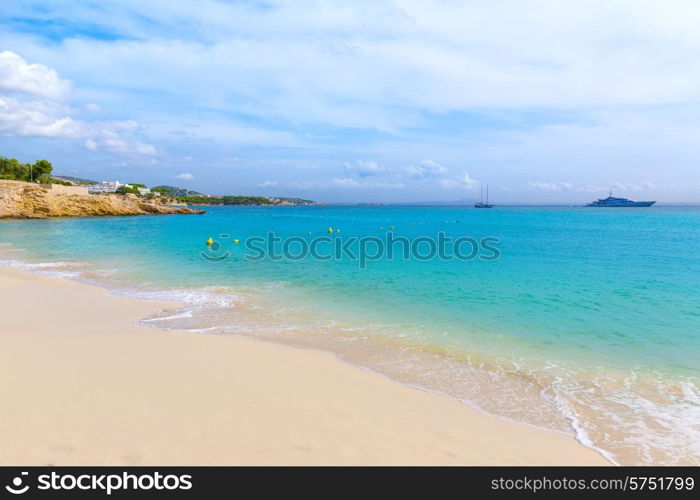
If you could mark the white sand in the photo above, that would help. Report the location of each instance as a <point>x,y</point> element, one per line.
<point>81,383</point>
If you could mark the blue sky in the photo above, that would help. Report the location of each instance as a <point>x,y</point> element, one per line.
<point>415,100</point>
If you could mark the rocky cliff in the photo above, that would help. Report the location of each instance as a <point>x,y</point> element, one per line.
<point>23,200</point>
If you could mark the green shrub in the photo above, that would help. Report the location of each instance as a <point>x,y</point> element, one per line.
<point>13,169</point>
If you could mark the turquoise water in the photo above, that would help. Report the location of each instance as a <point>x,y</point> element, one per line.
<point>588,323</point>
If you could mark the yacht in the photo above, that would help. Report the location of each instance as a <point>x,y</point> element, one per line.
<point>612,201</point>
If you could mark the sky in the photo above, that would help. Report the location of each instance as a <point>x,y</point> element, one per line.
<point>365,101</point>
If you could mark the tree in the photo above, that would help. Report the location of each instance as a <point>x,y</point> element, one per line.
<point>13,169</point>
<point>127,190</point>
<point>41,168</point>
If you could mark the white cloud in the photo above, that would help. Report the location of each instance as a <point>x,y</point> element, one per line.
<point>136,162</point>
<point>113,142</point>
<point>41,110</point>
<point>185,176</point>
<point>426,169</point>
<point>633,186</point>
<point>395,177</point>
<point>392,178</point>
<point>306,185</point>
<point>37,118</point>
<point>589,91</point>
<point>18,75</point>
<point>345,183</point>
<point>550,186</point>
<point>463,181</point>
<point>268,184</point>
<point>364,168</point>
<point>589,188</point>
<point>380,64</point>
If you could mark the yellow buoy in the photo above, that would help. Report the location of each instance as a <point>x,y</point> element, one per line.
<point>210,242</point>
<point>391,227</point>
<point>330,229</point>
<point>235,241</point>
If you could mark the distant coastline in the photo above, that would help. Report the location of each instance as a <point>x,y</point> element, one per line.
<point>24,200</point>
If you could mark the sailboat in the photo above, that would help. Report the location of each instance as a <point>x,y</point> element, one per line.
<point>481,204</point>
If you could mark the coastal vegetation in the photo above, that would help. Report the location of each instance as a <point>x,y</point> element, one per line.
<point>40,172</point>
<point>76,180</point>
<point>14,170</point>
<point>129,189</point>
<point>182,195</point>
<point>224,200</point>
<point>25,200</point>
<point>53,180</point>
<point>174,192</point>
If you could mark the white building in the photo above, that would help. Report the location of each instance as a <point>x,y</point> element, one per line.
<point>104,187</point>
<point>112,186</point>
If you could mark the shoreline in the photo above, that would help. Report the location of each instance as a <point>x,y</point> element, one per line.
<point>26,200</point>
<point>127,403</point>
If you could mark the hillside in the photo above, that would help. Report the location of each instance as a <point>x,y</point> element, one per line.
<point>175,191</point>
<point>75,180</point>
<point>24,200</point>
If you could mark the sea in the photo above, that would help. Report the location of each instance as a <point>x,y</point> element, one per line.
<point>584,321</point>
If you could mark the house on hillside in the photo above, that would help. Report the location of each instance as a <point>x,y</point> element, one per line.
<point>105,187</point>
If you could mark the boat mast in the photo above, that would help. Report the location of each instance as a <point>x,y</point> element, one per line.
<point>487,194</point>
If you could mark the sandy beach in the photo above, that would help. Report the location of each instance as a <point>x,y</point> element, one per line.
<point>82,383</point>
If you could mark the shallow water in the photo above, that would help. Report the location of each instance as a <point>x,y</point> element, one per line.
<point>588,323</point>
